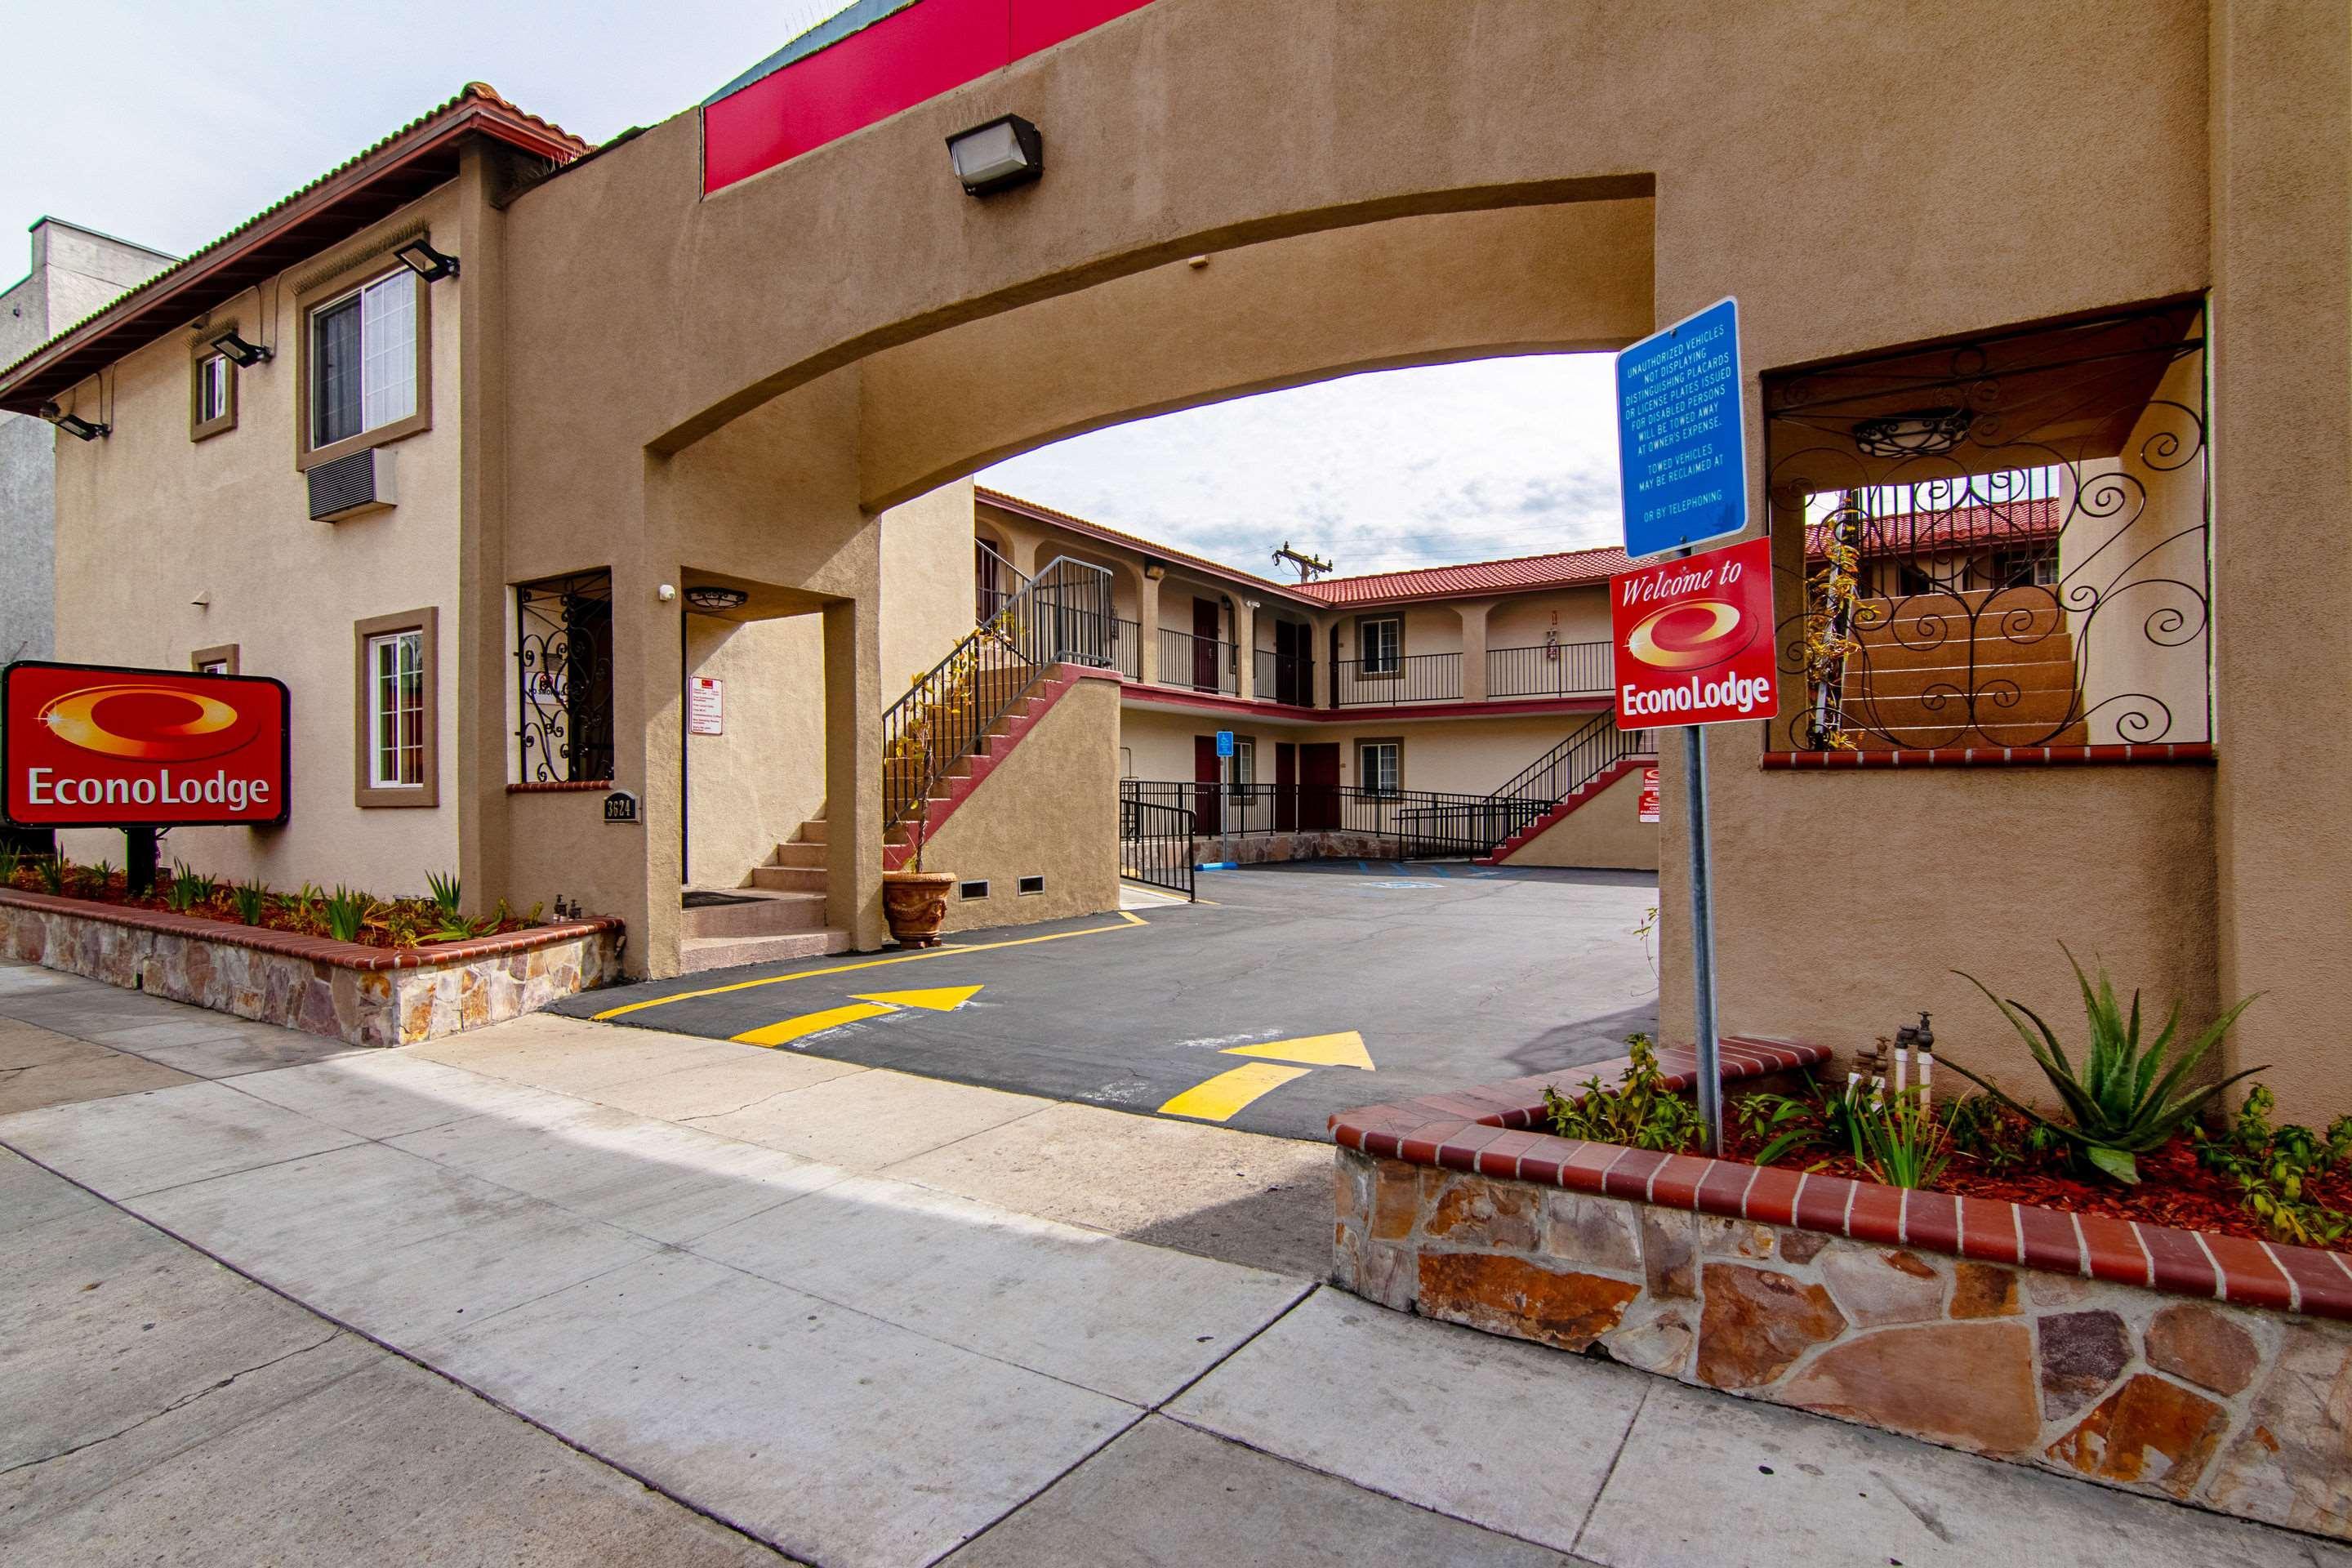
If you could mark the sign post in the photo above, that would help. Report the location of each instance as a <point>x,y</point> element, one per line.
<point>1691,645</point>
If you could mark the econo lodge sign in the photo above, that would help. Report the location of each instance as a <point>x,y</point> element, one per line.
<point>87,745</point>
<point>1692,638</point>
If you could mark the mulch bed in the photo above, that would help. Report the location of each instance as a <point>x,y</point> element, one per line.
<point>2173,1190</point>
<point>279,914</point>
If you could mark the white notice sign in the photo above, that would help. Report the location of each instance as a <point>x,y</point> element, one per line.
<point>706,707</point>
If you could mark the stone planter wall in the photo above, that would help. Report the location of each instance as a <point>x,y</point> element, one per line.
<point>367,995</point>
<point>1261,848</point>
<point>2206,1368</point>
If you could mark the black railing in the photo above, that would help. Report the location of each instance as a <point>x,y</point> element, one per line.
<point>1403,823</point>
<point>996,582</point>
<point>1062,617</point>
<point>1127,647</point>
<point>1594,746</point>
<point>1205,664</point>
<point>563,654</point>
<point>1413,678</point>
<point>1548,670</point>
<point>1283,678</point>
<point>1155,845</point>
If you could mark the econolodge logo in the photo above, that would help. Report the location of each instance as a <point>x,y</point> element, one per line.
<point>100,746</point>
<point>1693,639</point>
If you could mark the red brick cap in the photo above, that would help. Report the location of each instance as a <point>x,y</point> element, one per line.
<point>318,949</point>
<point>1460,1131</point>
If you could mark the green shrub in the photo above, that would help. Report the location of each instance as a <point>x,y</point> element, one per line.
<point>2272,1165</point>
<point>1640,1111</point>
<point>2119,1103</point>
<point>347,912</point>
<point>444,891</point>
<point>53,870</point>
<point>252,900</point>
<point>1899,1138</point>
<point>97,878</point>
<point>188,889</point>
<point>11,859</point>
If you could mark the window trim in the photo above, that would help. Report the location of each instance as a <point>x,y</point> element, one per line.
<point>332,289</point>
<point>1361,785</point>
<point>1363,660</point>
<point>224,653</point>
<point>1237,788</point>
<point>365,794</point>
<point>200,355</point>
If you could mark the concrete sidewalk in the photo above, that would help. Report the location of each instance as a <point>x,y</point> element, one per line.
<point>476,1293</point>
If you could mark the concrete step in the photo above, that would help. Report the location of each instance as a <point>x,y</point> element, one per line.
<point>806,856</point>
<point>2045,675</point>
<point>756,912</point>
<point>790,878</point>
<point>1926,712</point>
<point>1951,647</point>
<point>696,954</point>
<point>812,831</point>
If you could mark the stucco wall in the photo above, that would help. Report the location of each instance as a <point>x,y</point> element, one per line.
<point>764,775</point>
<point>149,522</point>
<point>1606,833</point>
<point>1049,809</point>
<point>926,583</point>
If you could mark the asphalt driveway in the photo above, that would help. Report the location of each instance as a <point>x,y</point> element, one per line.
<point>1261,1007</point>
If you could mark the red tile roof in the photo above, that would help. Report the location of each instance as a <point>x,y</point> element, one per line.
<point>1132,541</point>
<point>1518,575</point>
<point>340,203</point>
<point>1910,532</point>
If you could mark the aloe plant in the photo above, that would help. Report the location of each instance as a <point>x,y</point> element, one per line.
<point>2125,1100</point>
<point>188,888</point>
<point>53,873</point>
<point>347,913</point>
<point>445,892</point>
<point>1899,1140</point>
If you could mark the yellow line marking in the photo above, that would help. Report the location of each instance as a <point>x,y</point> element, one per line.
<point>1341,1050</point>
<point>940,999</point>
<point>1222,1096</point>
<point>792,1029</point>
<point>1128,922</point>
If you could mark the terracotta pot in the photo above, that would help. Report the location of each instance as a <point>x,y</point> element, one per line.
<point>916,904</point>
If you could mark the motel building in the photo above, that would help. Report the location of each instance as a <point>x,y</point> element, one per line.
<point>543,473</point>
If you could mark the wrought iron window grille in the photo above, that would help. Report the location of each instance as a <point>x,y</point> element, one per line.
<point>564,662</point>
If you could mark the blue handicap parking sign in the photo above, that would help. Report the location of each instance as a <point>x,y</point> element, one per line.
<point>1224,743</point>
<point>1682,450</point>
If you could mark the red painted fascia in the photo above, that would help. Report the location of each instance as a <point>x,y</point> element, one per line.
<point>904,59</point>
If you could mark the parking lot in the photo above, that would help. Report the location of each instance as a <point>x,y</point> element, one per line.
<point>1288,993</point>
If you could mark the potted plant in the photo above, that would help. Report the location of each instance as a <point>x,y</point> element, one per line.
<point>915,902</point>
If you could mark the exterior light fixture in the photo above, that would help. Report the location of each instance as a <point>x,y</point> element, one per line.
<point>419,257</point>
<point>1922,433</point>
<point>1154,568</point>
<point>237,352</point>
<point>1006,152</point>
<point>74,425</point>
<point>708,597</point>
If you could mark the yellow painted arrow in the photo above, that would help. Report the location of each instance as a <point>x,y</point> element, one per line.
<point>1225,1094</point>
<point>939,999</point>
<point>1341,1050</point>
<point>873,1004</point>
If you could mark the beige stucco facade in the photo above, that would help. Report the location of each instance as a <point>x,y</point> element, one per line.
<point>677,383</point>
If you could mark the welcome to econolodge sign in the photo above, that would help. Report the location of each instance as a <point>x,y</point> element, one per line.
<point>85,745</point>
<point>1692,638</point>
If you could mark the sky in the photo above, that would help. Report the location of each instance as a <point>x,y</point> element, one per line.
<point>168,124</point>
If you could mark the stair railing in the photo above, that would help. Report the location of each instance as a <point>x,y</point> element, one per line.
<point>1588,751</point>
<point>1062,616</point>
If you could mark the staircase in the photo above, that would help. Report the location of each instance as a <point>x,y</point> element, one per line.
<point>1568,776</point>
<point>779,915</point>
<point>1921,656</point>
<point>996,740</point>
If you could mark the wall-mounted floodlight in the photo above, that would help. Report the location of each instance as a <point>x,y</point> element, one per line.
<point>237,352</point>
<point>710,597</point>
<point>419,257</point>
<point>1004,152</point>
<point>74,425</point>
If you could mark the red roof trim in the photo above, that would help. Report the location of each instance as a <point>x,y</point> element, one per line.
<point>1133,542</point>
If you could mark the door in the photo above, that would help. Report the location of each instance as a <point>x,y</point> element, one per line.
<point>1209,785</point>
<point>1318,793</point>
<point>1205,622</point>
<point>1291,642</point>
<point>1286,787</point>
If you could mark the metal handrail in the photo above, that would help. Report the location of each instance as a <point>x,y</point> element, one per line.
<point>1548,670</point>
<point>1409,678</point>
<point>1412,822</point>
<point>1592,748</point>
<point>989,602</point>
<point>1062,616</point>
<point>1180,661</point>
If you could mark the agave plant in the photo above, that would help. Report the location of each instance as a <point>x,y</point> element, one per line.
<point>347,912</point>
<point>444,891</point>
<point>52,869</point>
<point>2125,1100</point>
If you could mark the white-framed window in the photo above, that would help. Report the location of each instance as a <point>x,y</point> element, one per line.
<point>211,388</point>
<point>395,663</point>
<point>1244,769</point>
<point>1380,764</point>
<point>363,359</point>
<point>1381,639</point>
<point>214,666</point>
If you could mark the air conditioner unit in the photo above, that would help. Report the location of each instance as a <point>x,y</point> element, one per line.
<point>347,487</point>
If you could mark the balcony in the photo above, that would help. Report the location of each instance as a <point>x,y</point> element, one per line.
<point>1396,681</point>
<point>1549,669</point>
<point>1200,664</point>
<point>1127,647</point>
<point>1283,678</point>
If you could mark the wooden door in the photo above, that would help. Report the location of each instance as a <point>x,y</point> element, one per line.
<point>1286,786</point>
<point>1291,642</point>
<point>1318,793</point>
<point>1205,623</point>
<point>1209,785</point>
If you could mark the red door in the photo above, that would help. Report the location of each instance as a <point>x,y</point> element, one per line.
<point>1318,793</point>
<point>1286,787</point>
<point>1205,623</point>
<point>1209,785</point>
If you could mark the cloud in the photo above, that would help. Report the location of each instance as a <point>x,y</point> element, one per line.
<point>1376,472</point>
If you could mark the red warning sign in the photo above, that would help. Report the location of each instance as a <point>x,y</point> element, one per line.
<point>1694,639</point>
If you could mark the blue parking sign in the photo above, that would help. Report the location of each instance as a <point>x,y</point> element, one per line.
<point>1682,447</point>
<point>1224,743</point>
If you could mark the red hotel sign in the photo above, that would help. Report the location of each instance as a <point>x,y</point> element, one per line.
<point>85,745</point>
<point>1694,638</point>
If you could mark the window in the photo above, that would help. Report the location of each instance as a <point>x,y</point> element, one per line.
<point>213,406</point>
<point>363,345</point>
<point>395,701</point>
<point>1381,640</point>
<point>221,660</point>
<point>2025,569</point>
<point>1244,768</point>
<point>563,655</point>
<point>1380,765</point>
